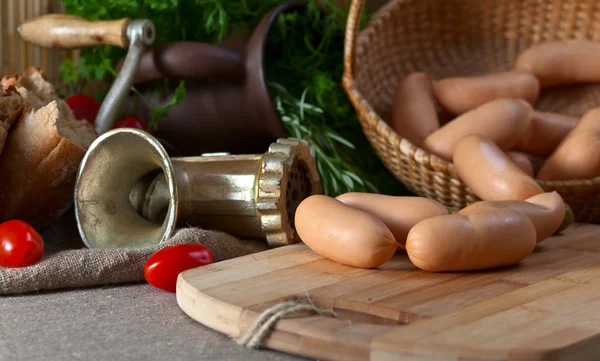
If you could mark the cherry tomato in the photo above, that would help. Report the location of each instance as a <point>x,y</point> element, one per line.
<point>163,267</point>
<point>130,122</point>
<point>20,244</point>
<point>84,107</point>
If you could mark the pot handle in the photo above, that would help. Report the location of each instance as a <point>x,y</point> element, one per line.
<point>187,59</point>
<point>256,80</point>
<point>257,43</point>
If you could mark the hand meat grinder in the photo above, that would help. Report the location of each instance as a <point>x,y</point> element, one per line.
<point>130,193</point>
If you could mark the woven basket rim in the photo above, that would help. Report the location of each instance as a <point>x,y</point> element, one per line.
<point>381,127</point>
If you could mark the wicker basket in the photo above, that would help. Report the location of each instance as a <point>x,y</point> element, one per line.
<point>459,38</point>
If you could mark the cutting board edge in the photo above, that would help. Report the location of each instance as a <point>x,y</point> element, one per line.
<point>323,348</point>
<point>221,316</point>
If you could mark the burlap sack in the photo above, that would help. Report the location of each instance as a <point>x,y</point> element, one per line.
<point>67,264</point>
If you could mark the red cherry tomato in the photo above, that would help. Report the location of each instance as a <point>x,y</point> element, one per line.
<point>20,244</point>
<point>163,267</point>
<point>84,107</point>
<point>130,122</point>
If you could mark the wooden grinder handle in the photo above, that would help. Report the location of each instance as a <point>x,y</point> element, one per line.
<point>69,32</point>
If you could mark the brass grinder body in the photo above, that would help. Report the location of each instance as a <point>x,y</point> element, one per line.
<point>129,193</point>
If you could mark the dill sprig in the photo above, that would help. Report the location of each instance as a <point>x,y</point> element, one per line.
<point>330,149</point>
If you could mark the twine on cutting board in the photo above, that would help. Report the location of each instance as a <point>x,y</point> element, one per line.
<point>264,323</point>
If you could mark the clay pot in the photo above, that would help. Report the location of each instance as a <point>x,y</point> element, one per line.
<point>228,107</point>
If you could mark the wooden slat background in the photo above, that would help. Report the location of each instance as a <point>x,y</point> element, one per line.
<point>17,55</point>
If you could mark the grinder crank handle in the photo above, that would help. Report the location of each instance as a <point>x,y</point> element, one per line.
<point>68,32</point>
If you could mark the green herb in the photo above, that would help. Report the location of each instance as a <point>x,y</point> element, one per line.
<point>162,110</point>
<point>304,69</point>
<point>330,149</point>
<point>69,72</point>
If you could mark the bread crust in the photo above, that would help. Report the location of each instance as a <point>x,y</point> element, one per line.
<point>33,87</point>
<point>38,166</point>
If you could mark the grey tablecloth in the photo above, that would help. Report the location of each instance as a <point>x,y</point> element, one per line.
<point>123,323</point>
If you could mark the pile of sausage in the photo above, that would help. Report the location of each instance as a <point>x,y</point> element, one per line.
<point>498,108</point>
<point>365,230</point>
<point>494,131</point>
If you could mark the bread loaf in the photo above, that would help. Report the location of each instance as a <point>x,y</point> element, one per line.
<point>39,163</point>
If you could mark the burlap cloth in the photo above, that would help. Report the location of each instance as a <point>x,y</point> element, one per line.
<point>68,264</point>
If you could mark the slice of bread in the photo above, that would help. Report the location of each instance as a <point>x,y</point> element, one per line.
<point>39,164</point>
<point>11,108</point>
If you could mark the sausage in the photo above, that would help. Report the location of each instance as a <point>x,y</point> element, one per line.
<point>343,234</point>
<point>577,156</point>
<point>545,133</point>
<point>461,94</point>
<point>476,241</point>
<point>489,173</point>
<point>399,214</point>
<point>562,62</point>
<point>522,161</point>
<point>546,211</point>
<point>504,121</point>
<point>414,116</point>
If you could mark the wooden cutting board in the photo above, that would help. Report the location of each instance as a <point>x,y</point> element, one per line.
<point>546,308</point>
